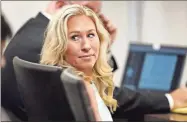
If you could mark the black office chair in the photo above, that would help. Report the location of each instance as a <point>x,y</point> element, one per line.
<point>42,91</point>
<point>8,116</point>
<point>77,96</point>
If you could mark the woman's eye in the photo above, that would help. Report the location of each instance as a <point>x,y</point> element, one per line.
<point>91,35</point>
<point>75,37</point>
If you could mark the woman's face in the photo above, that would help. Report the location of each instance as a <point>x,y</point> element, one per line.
<point>83,43</point>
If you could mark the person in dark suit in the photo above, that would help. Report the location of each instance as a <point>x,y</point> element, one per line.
<point>6,33</point>
<point>27,44</point>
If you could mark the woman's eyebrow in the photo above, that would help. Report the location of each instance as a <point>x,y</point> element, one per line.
<point>91,30</point>
<point>74,32</point>
<point>80,31</point>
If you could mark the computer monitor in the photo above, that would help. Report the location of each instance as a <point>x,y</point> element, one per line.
<point>153,69</point>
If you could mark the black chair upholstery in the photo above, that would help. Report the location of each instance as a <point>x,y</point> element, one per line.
<point>77,96</point>
<point>42,91</point>
<point>8,116</point>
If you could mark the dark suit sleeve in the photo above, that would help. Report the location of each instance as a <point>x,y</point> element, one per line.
<point>133,103</point>
<point>26,44</point>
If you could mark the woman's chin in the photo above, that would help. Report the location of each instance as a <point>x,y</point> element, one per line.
<point>86,67</point>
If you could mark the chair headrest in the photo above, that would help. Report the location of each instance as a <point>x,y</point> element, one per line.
<point>30,65</point>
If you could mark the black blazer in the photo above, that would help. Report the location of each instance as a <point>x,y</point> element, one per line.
<point>27,44</point>
<point>133,104</point>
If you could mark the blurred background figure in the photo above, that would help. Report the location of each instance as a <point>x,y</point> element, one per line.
<point>6,32</point>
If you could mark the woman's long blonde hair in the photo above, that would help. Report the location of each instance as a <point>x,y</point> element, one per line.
<point>55,46</point>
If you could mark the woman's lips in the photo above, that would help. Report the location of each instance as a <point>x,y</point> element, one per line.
<point>86,56</point>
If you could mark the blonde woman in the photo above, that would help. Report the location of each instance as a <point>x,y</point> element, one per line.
<point>76,38</point>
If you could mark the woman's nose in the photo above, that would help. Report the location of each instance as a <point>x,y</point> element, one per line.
<point>86,46</point>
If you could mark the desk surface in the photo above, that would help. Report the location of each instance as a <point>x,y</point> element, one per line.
<point>166,117</point>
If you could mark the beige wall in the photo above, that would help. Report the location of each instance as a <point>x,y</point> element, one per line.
<point>118,13</point>
<point>18,12</point>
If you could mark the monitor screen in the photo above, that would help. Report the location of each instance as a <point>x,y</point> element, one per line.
<point>149,69</point>
<point>157,71</point>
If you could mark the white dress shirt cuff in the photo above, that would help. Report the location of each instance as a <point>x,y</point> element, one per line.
<point>170,100</point>
<point>46,15</point>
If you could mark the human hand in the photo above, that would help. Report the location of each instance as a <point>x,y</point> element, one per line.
<point>95,5</point>
<point>179,97</point>
<point>109,27</point>
<point>177,117</point>
<point>54,6</point>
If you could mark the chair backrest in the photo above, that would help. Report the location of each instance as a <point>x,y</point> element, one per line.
<point>42,91</point>
<point>8,116</point>
<point>77,96</point>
